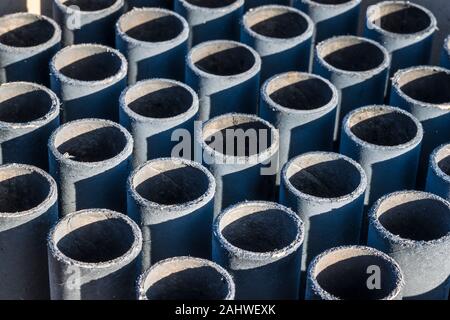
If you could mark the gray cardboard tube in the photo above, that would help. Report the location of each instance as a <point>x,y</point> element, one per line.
<point>438,178</point>
<point>241,151</point>
<point>94,255</point>
<point>326,190</point>
<point>27,43</point>
<point>171,199</point>
<point>88,78</point>
<point>424,91</point>
<point>406,30</point>
<point>260,244</point>
<point>386,142</point>
<point>343,273</point>
<point>85,21</point>
<point>155,43</point>
<point>413,227</point>
<point>28,115</point>
<point>154,111</point>
<point>211,20</point>
<point>302,106</point>
<point>28,209</point>
<point>358,67</point>
<point>225,74</point>
<point>91,160</point>
<point>282,36</point>
<point>185,278</point>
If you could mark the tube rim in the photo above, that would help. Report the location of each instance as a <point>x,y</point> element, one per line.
<point>375,222</point>
<point>305,35</point>
<point>350,3</point>
<point>180,38</point>
<point>39,122</point>
<point>181,209</point>
<point>56,37</point>
<point>434,164</point>
<point>140,283</point>
<point>254,255</point>
<point>255,69</point>
<point>419,34</point>
<point>117,5</point>
<point>130,255</point>
<point>317,288</point>
<point>193,109</point>
<point>228,8</point>
<point>125,153</point>
<point>42,207</point>
<point>119,75</point>
<point>411,143</point>
<point>328,106</point>
<point>359,190</point>
<point>370,72</point>
<point>253,159</point>
<point>397,88</point>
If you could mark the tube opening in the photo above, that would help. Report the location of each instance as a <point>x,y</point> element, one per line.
<point>383,126</point>
<point>25,30</point>
<point>211,3</point>
<point>415,217</point>
<point>88,63</point>
<point>169,182</point>
<point>331,1</point>
<point>223,58</point>
<point>185,279</point>
<point>151,25</point>
<point>238,135</point>
<point>299,91</point>
<point>343,273</point>
<point>426,85</point>
<point>22,189</point>
<point>443,159</point>
<point>276,22</point>
<point>22,103</point>
<point>351,54</point>
<point>90,141</point>
<point>258,228</point>
<point>159,99</point>
<point>401,18</point>
<point>94,238</point>
<point>323,175</point>
<point>89,5</point>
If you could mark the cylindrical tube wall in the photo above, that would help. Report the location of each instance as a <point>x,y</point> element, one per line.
<point>302,106</point>
<point>282,36</point>
<point>438,178</point>
<point>85,21</point>
<point>327,191</point>
<point>94,255</point>
<point>172,199</point>
<point>211,19</point>
<point>28,209</point>
<point>225,74</point>
<point>157,112</point>
<point>413,227</point>
<point>424,91</point>
<point>260,244</point>
<point>168,4</point>
<point>386,142</point>
<point>91,160</point>
<point>331,17</point>
<point>28,115</point>
<point>445,57</point>
<point>250,4</point>
<point>155,43</point>
<point>343,273</point>
<point>27,43</point>
<point>405,29</point>
<point>241,151</point>
<point>358,67</point>
<point>88,78</point>
<point>185,278</point>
